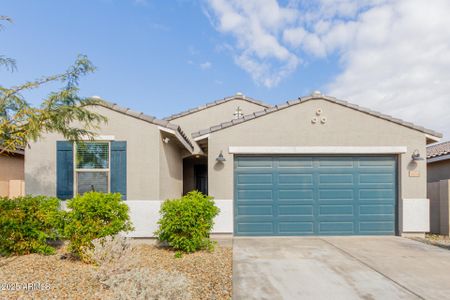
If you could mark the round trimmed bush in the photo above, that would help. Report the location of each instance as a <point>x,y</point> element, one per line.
<point>186,223</point>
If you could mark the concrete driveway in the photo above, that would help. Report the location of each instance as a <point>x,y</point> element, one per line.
<point>339,268</point>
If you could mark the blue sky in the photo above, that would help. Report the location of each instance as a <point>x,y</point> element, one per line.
<point>159,57</point>
<point>162,57</point>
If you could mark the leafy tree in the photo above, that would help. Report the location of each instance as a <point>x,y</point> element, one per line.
<point>6,62</point>
<point>21,123</point>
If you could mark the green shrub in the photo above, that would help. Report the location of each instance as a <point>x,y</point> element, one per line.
<point>185,223</point>
<point>27,223</point>
<point>91,216</point>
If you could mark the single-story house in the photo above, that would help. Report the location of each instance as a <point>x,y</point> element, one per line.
<point>12,173</point>
<point>438,169</point>
<point>311,166</point>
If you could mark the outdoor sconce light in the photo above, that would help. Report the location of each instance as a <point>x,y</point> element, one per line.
<point>220,158</point>
<point>416,156</point>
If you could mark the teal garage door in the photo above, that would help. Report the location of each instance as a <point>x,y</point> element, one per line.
<point>315,195</point>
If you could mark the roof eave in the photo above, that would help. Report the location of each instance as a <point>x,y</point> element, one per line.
<point>431,135</point>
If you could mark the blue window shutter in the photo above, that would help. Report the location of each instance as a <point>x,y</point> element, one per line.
<point>64,170</point>
<point>119,168</point>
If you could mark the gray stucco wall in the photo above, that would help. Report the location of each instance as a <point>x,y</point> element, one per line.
<point>439,170</point>
<point>145,179</point>
<point>170,170</point>
<point>293,127</point>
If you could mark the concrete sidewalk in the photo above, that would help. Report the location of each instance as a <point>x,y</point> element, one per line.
<point>339,268</point>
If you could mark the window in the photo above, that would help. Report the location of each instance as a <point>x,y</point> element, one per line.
<point>92,167</point>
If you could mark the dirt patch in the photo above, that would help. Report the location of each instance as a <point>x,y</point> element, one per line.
<point>51,277</point>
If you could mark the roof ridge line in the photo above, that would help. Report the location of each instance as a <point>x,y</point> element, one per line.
<point>299,100</point>
<point>214,103</point>
<point>146,118</point>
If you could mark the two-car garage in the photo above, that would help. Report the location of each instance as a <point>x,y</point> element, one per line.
<point>315,195</point>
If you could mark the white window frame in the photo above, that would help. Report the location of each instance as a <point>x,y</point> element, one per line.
<point>77,170</point>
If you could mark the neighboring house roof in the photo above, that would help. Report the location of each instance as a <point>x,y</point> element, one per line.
<point>150,119</point>
<point>438,150</point>
<point>315,96</point>
<point>20,151</point>
<point>238,96</point>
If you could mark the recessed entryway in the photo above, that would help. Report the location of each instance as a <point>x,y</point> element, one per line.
<point>195,174</point>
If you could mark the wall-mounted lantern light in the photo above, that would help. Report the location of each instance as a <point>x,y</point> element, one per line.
<point>416,156</point>
<point>220,158</point>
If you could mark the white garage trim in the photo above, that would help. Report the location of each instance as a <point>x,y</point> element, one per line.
<point>416,215</point>
<point>317,150</point>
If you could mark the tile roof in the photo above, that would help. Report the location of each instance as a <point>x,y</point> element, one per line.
<point>437,150</point>
<point>315,96</point>
<point>146,118</point>
<point>214,103</point>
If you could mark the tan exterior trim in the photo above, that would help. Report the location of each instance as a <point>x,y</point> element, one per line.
<point>432,138</point>
<point>201,137</point>
<point>176,134</point>
<point>317,150</point>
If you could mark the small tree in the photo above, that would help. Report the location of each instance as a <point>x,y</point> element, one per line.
<point>21,123</point>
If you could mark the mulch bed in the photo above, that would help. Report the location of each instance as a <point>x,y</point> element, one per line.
<point>209,274</point>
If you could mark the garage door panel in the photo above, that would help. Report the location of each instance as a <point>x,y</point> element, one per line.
<point>255,228</point>
<point>376,227</point>
<point>336,210</point>
<point>377,209</point>
<point>328,228</point>
<point>336,194</point>
<point>255,210</point>
<point>295,179</point>
<point>248,194</point>
<point>376,162</point>
<point>376,194</point>
<point>336,179</point>
<point>254,162</point>
<point>335,162</point>
<point>259,179</point>
<point>376,178</point>
<point>295,162</point>
<point>296,228</point>
<point>315,195</point>
<point>295,210</point>
<point>299,194</point>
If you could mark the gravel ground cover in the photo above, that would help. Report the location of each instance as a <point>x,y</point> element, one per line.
<point>442,241</point>
<point>209,274</point>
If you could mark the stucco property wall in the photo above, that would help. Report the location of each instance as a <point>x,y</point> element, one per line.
<point>143,148</point>
<point>439,170</point>
<point>11,168</point>
<point>293,127</point>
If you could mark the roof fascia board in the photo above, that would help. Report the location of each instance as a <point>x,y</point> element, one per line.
<point>287,104</point>
<point>215,103</point>
<point>438,158</point>
<point>178,136</point>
